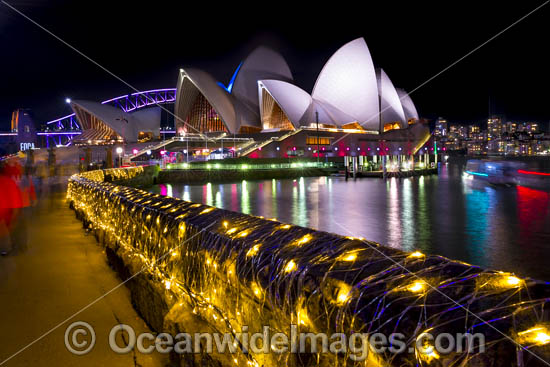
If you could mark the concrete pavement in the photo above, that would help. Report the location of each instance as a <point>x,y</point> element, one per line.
<point>61,271</point>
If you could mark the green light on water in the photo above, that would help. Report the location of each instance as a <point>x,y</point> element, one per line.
<point>209,196</point>
<point>245,198</point>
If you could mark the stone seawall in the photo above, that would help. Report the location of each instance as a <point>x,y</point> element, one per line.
<point>195,268</point>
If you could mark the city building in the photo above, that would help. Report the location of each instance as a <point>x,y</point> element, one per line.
<point>494,127</point>
<point>441,127</point>
<point>511,127</point>
<point>510,138</point>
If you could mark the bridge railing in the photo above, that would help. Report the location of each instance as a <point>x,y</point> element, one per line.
<point>193,267</point>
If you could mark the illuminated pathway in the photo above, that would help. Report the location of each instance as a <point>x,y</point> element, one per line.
<point>61,272</point>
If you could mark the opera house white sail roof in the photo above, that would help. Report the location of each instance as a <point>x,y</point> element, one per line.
<point>261,96</point>
<point>104,122</point>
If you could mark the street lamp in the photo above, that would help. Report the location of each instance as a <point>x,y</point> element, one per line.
<point>119,151</point>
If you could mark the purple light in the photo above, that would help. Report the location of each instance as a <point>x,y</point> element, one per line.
<point>61,118</point>
<point>60,133</point>
<point>133,106</point>
<point>135,101</point>
<point>162,152</point>
<point>114,99</point>
<point>134,151</point>
<point>368,148</point>
<point>154,91</point>
<point>347,148</point>
<point>387,149</point>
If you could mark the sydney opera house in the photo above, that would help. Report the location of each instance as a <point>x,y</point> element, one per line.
<point>261,96</point>
<point>353,109</point>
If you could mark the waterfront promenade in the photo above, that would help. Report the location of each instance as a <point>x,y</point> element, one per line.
<point>61,271</point>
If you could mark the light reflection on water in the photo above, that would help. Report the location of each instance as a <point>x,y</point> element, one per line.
<point>501,228</point>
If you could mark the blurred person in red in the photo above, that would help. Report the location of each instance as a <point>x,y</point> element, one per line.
<point>19,233</point>
<point>11,202</point>
<point>13,169</point>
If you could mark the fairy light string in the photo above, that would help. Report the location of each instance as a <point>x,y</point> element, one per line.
<point>247,270</point>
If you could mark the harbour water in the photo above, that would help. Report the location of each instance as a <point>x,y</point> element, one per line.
<point>503,228</point>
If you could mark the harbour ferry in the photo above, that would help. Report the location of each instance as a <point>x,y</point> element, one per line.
<point>507,173</point>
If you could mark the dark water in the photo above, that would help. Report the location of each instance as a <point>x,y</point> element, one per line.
<point>500,228</point>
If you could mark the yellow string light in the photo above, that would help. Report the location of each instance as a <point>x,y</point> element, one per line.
<point>305,239</point>
<point>417,286</point>
<point>207,210</point>
<point>290,266</point>
<point>253,251</point>
<point>538,335</point>
<point>217,295</point>
<point>416,255</point>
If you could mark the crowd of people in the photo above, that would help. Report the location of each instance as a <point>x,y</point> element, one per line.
<point>17,195</point>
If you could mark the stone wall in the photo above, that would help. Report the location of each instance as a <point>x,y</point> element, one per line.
<point>195,268</point>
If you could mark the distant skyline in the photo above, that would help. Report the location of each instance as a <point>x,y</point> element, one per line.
<point>147,46</point>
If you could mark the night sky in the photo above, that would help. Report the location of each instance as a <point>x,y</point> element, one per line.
<point>147,44</point>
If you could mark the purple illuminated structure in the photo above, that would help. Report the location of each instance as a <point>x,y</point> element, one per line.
<point>59,137</point>
<point>134,101</point>
<point>127,103</point>
<point>62,122</point>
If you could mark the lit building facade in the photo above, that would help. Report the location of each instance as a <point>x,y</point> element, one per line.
<point>494,127</point>
<point>261,96</point>
<point>441,127</point>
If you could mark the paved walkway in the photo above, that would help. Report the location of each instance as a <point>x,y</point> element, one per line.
<point>61,271</point>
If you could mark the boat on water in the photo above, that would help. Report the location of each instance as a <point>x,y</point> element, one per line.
<point>507,173</point>
<point>494,172</point>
